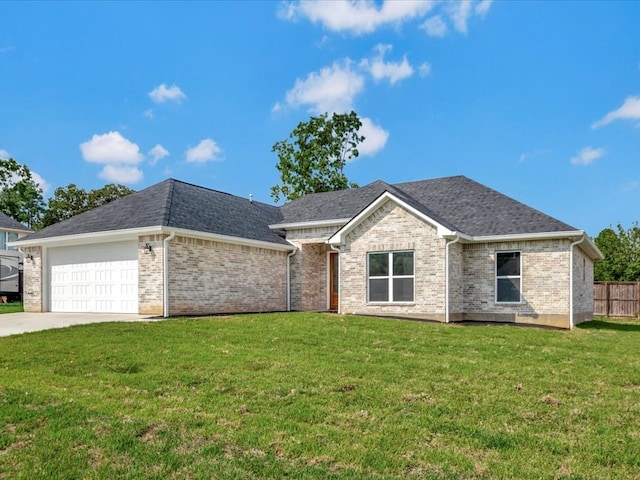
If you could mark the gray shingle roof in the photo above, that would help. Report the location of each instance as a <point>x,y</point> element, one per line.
<point>474,209</point>
<point>458,203</point>
<point>6,222</point>
<point>176,204</point>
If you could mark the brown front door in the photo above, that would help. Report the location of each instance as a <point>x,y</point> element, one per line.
<point>334,275</point>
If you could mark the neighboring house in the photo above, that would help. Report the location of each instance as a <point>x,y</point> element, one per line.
<point>447,249</point>
<point>10,258</point>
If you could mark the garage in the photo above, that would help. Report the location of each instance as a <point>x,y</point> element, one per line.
<point>100,278</point>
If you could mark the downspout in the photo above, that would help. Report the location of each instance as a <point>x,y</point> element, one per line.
<point>446,278</point>
<point>165,272</point>
<point>571,322</point>
<point>289,278</point>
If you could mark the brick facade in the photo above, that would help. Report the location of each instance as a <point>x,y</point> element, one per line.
<point>544,283</point>
<point>207,277</point>
<point>33,297</point>
<point>472,282</point>
<point>213,277</point>
<point>582,287</point>
<point>150,276</point>
<point>309,267</point>
<point>391,228</point>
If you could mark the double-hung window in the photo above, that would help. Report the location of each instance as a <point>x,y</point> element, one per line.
<point>390,277</point>
<point>508,277</point>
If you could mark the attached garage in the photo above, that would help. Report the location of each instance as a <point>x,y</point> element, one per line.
<point>99,277</point>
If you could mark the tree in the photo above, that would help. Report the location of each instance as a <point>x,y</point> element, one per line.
<point>70,201</point>
<point>312,159</point>
<point>621,250</point>
<point>20,196</point>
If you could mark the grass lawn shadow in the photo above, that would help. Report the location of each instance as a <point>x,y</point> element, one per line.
<point>617,325</point>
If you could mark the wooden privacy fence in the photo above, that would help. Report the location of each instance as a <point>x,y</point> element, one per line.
<point>616,299</point>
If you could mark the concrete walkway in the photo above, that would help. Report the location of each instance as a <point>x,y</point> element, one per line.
<point>22,322</point>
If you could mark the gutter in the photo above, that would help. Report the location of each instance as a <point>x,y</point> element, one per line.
<point>446,277</point>
<point>571,313</point>
<point>165,273</point>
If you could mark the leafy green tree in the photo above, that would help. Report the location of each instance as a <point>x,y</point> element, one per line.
<point>72,200</point>
<point>20,196</point>
<point>312,159</point>
<point>621,250</point>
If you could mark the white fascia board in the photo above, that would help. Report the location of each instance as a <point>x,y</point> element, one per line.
<point>587,245</point>
<point>134,233</point>
<point>228,239</point>
<point>313,224</point>
<point>87,238</point>
<point>338,238</point>
<point>571,235</point>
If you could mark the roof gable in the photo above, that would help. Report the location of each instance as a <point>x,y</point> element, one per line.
<point>339,237</point>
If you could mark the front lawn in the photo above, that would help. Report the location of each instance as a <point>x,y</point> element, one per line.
<point>320,396</point>
<point>11,307</point>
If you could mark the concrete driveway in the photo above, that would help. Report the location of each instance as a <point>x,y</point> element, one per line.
<point>15,323</point>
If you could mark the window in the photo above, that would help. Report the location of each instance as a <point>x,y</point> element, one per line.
<point>508,277</point>
<point>7,237</point>
<point>12,237</point>
<point>391,277</point>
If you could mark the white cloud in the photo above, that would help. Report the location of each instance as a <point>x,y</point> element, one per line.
<point>587,156</point>
<point>207,150</point>
<point>424,69</point>
<point>630,186</point>
<point>357,16</point>
<point>330,90</point>
<point>4,155</point>
<point>157,153</point>
<point>375,138</point>
<point>121,174</point>
<point>379,70</point>
<point>435,26</point>
<point>535,153</point>
<point>162,94</point>
<point>148,113</point>
<point>630,110</point>
<point>482,8</point>
<point>459,14</point>
<point>110,148</point>
<point>118,154</point>
<point>41,182</point>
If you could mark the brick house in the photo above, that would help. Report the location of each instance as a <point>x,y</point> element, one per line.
<point>447,249</point>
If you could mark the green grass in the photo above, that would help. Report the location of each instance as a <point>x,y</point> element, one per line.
<point>320,396</point>
<point>11,307</point>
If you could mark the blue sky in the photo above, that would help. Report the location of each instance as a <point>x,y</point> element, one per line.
<point>538,100</point>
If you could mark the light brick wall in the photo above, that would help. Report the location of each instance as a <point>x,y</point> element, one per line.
<point>150,276</point>
<point>33,297</point>
<point>456,282</point>
<point>545,283</point>
<point>213,277</point>
<point>309,267</point>
<point>391,228</point>
<point>582,286</point>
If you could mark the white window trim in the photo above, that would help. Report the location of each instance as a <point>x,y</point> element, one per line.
<point>502,277</point>
<point>390,278</point>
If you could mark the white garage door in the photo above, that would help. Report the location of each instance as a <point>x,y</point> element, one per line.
<point>95,278</point>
